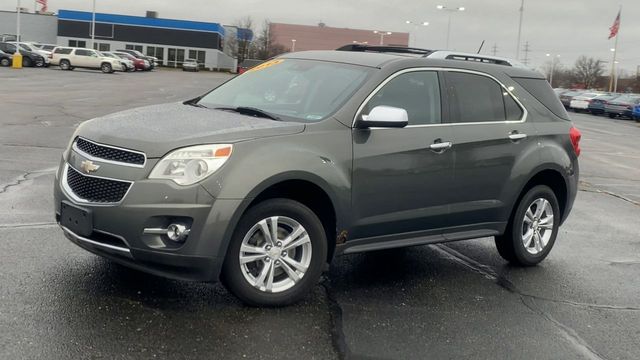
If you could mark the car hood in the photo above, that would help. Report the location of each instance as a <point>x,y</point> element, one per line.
<point>158,129</point>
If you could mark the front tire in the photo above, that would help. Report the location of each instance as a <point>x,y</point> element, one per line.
<point>533,228</point>
<point>276,254</point>
<point>5,62</point>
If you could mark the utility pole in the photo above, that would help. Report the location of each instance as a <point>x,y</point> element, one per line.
<point>526,52</point>
<point>520,30</point>
<point>494,49</point>
<point>93,26</point>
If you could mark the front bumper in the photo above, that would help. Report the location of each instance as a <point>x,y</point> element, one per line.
<point>118,229</point>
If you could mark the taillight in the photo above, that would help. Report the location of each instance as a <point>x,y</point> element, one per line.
<point>575,136</point>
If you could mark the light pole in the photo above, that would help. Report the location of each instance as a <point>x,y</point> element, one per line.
<point>519,30</point>
<point>416,25</point>
<point>450,10</point>
<point>382,35</point>
<point>553,68</point>
<point>293,45</point>
<point>617,75</point>
<point>93,25</point>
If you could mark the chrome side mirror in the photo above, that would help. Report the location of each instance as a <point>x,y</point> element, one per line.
<point>384,116</point>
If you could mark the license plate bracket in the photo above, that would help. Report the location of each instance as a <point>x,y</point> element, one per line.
<point>76,219</point>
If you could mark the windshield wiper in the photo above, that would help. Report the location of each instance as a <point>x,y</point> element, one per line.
<point>251,111</point>
<point>195,103</point>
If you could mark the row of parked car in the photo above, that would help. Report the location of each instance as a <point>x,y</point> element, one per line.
<point>69,58</point>
<point>601,103</point>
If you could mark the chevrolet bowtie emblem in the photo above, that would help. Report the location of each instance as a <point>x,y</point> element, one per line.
<point>89,167</point>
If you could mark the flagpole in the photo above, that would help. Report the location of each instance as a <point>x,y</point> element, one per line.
<point>615,53</point>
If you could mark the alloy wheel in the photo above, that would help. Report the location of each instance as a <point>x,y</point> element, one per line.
<point>537,227</point>
<point>275,254</point>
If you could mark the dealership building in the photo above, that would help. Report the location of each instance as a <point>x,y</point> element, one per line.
<point>171,41</point>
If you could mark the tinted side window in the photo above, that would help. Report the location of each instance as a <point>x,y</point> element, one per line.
<point>81,52</point>
<point>541,90</point>
<point>418,92</point>
<point>475,98</point>
<point>511,107</point>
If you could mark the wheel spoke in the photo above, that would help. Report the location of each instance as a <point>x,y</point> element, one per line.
<point>274,228</point>
<point>298,266</point>
<point>299,230</point>
<point>269,286</point>
<point>538,243</point>
<point>527,238</point>
<point>264,227</point>
<point>252,249</point>
<point>292,274</point>
<point>528,216</point>
<point>251,258</point>
<point>540,206</point>
<point>301,241</point>
<point>263,274</point>
<point>547,223</point>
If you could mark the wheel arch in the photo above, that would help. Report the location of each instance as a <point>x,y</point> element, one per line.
<point>306,188</point>
<point>551,176</point>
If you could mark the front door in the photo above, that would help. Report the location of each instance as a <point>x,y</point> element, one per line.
<point>402,177</point>
<point>175,57</point>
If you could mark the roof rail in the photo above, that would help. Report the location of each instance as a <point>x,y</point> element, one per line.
<point>385,49</point>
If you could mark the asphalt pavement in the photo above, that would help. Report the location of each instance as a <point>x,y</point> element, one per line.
<point>455,300</point>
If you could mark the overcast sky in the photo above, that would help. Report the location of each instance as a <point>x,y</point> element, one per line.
<point>568,28</point>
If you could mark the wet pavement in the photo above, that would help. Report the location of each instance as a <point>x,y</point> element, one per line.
<point>456,300</point>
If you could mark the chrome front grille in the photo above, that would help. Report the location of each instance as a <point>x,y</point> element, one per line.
<point>92,189</point>
<point>109,153</point>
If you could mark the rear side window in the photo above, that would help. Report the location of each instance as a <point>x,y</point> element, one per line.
<point>541,90</point>
<point>64,51</point>
<point>418,92</point>
<point>478,98</point>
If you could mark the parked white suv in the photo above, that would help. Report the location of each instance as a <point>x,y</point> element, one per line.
<point>69,58</point>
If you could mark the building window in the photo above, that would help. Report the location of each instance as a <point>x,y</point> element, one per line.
<point>101,47</point>
<point>198,55</point>
<point>78,43</point>
<point>156,51</point>
<point>133,47</point>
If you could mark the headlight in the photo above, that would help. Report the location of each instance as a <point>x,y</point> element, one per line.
<point>189,165</point>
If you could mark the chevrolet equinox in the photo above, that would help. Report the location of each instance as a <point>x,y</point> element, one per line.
<point>261,182</point>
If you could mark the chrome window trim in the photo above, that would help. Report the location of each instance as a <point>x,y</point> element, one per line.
<point>525,113</point>
<point>96,243</point>
<point>78,200</point>
<point>93,158</point>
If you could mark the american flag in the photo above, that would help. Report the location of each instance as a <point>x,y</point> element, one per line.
<point>614,28</point>
<point>44,5</point>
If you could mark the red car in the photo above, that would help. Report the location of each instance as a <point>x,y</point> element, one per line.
<point>140,64</point>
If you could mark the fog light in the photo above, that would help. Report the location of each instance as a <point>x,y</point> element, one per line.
<point>177,232</point>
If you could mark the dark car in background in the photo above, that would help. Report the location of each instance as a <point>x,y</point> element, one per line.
<point>597,104</point>
<point>622,106</point>
<point>152,60</point>
<point>247,64</point>
<point>5,59</point>
<point>29,58</point>
<point>266,178</point>
<point>566,97</point>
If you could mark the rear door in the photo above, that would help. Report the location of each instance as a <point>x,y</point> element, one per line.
<point>490,136</point>
<point>401,177</point>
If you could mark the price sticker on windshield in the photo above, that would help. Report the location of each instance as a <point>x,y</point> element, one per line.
<point>265,65</point>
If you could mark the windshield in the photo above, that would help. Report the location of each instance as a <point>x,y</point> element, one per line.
<point>26,47</point>
<point>301,89</point>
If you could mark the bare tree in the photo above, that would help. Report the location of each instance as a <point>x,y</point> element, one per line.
<point>587,71</point>
<point>243,41</point>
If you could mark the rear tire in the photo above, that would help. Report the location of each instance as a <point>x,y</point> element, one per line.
<point>612,116</point>
<point>532,229</point>
<point>280,272</point>
<point>106,68</point>
<point>65,65</point>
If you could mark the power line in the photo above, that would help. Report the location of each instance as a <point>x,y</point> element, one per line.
<point>526,52</point>
<point>494,49</point>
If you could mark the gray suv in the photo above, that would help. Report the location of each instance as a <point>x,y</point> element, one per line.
<point>264,180</point>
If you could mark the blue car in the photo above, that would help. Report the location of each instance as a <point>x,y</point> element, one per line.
<point>635,114</point>
<point>597,104</point>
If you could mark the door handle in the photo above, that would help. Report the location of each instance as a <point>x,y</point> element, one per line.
<point>514,136</point>
<point>440,146</point>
